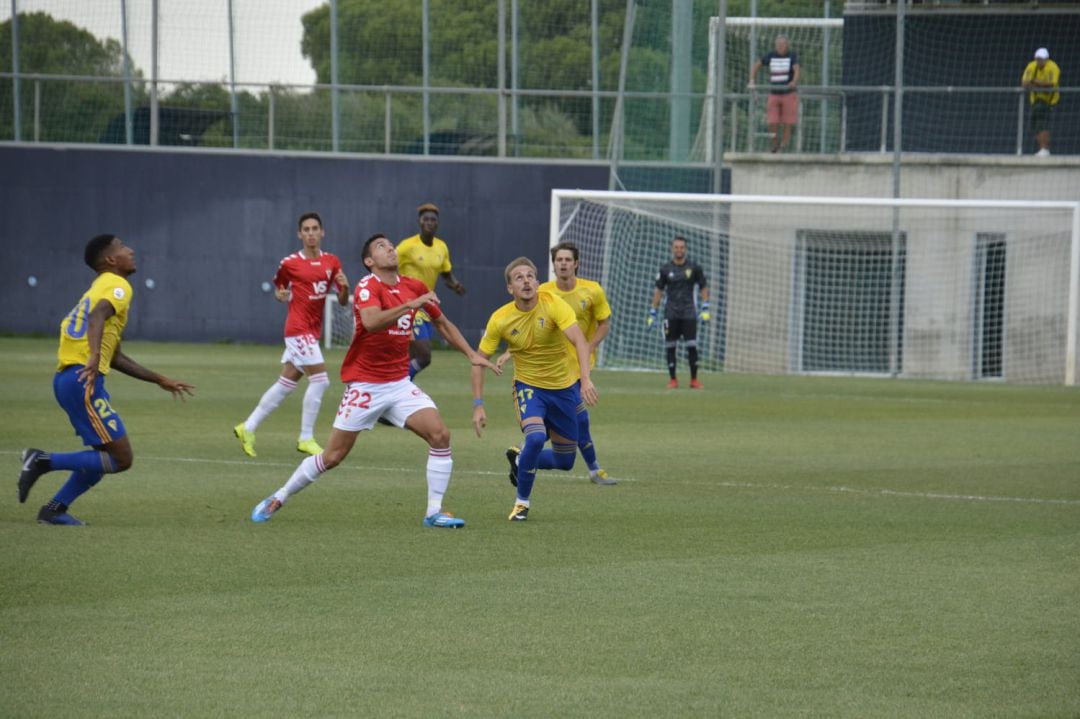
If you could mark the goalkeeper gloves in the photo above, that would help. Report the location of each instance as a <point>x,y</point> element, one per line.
<point>703,312</point>
<point>652,318</point>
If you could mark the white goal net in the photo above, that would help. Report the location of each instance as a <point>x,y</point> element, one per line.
<point>936,289</point>
<point>338,322</point>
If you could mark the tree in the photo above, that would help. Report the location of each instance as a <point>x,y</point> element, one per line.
<point>72,110</point>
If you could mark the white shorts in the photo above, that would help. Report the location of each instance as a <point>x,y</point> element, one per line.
<point>302,350</point>
<point>364,402</point>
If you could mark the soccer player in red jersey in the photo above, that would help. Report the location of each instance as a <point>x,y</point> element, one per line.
<point>376,374</point>
<point>303,280</point>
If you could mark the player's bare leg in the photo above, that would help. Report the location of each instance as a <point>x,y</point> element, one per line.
<point>337,449</point>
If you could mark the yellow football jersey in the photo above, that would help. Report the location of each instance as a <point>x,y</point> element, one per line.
<point>74,347</point>
<point>415,259</point>
<point>535,340</point>
<point>589,304</point>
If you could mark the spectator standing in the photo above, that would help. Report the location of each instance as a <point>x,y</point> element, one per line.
<point>782,110</point>
<point>1041,77</point>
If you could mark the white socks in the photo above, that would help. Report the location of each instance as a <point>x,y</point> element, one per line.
<point>308,471</point>
<point>270,401</point>
<point>317,384</point>
<point>439,465</point>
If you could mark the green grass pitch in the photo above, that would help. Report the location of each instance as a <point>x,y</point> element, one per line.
<point>777,546</point>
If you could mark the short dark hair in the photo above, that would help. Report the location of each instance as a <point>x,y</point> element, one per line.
<point>565,246</point>
<point>366,252</point>
<point>679,238</point>
<point>308,216</point>
<point>95,248</point>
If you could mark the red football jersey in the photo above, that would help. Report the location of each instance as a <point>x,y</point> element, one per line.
<point>383,356</point>
<point>309,280</point>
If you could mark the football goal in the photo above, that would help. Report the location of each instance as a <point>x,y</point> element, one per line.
<point>916,288</point>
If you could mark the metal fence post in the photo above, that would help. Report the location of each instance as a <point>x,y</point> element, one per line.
<point>16,117</point>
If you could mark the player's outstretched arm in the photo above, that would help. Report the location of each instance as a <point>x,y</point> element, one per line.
<point>452,334</point>
<point>581,345</point>
<point>376,319</point>
<point>177,388</point>
<point>479,416</point>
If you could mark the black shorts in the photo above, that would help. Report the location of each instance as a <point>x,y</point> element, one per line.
<point>680,327</point>
<point>1041,113</point>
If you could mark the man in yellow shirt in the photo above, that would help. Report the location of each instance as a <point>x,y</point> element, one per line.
<point>589,303</point>
<point>89,347</point>
<point>1042,76</point>
<point>547,390</point>
<point>425,257</point>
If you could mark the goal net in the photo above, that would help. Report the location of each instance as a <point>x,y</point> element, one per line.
<point>338,322</point>
<point>936,289</point>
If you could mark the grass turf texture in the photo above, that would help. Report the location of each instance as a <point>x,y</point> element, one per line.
<point>777,547</point>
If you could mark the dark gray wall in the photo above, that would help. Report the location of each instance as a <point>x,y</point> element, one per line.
<point>209,229</point>
<point>974,48</point>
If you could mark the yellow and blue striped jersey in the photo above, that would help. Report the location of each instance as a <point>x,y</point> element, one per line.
<point>415,259</point>
<point>535,340</point>
<point>590,306</point>
<point>74,346</point>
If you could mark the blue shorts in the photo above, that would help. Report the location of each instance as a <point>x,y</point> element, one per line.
<point>557,407</point>
<point>88,408</point>
<point>422,328</point>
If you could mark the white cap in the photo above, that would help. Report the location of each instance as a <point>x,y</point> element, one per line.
<point>1042,54</point>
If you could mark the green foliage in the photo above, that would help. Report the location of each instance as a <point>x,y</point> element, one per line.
<point>72,111</point>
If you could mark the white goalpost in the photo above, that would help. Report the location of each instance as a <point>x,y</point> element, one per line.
<point>914,288</point>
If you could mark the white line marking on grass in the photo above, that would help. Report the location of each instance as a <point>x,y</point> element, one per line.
<point>898,493</point>
<point>730,485</point>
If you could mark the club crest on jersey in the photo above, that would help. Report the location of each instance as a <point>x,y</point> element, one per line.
<point>688,272</point>
<point>583,304</point>
<point>541,321</point>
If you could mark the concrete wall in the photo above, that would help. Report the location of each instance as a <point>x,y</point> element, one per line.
<point>210,228</point>
<point>939,339</point>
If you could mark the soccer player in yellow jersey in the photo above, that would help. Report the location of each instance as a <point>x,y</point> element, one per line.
<point>89,347</point>
<point>1042,76</point>
<point>547,390</point>
<point>425,257</point>
<point>589,303</point>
